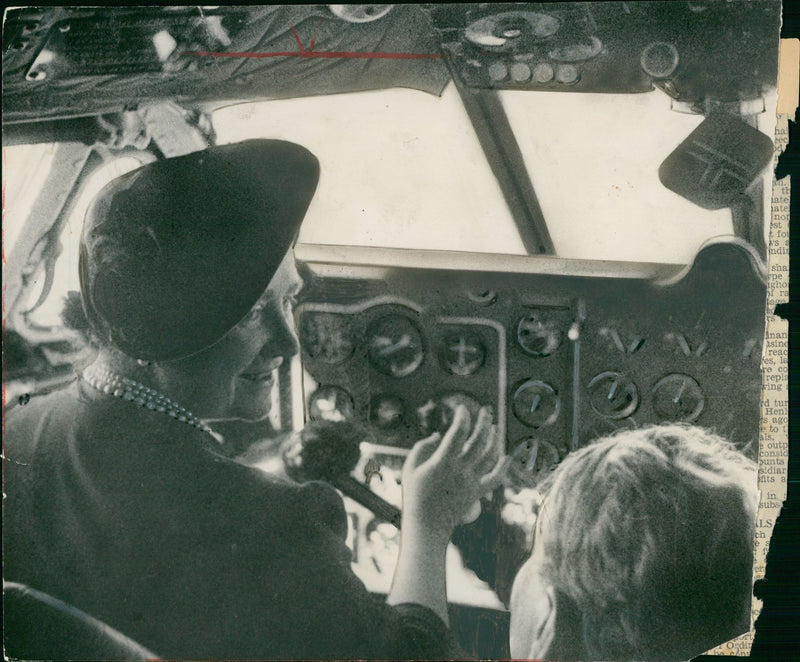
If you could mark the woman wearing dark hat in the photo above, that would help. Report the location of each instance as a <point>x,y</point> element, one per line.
<point>119,499</point>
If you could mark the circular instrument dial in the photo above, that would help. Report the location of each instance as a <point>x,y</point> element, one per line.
<point>613,395</point>
<point>483,297</point>
<point>660,59</point>
<point>461,352</point>
<point>500,32</point>
<point>395,346</point>
<point>326,337</point>
<point>532,460</point>
<point>330,403</point>
<point>436,416</point>
<point>567,74</point>
<point>386,411</point>
<point>536,403</point>
<point>538,337</point>
<point>678,397</point>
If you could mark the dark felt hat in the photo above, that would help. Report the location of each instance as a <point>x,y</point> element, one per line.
<point>175,253</point>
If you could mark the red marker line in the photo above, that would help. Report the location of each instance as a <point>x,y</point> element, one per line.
<point>314,38</point>
<point>297,39</point>
<point>335,55</point>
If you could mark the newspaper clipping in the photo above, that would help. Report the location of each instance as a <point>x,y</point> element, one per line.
<point>774,446</point>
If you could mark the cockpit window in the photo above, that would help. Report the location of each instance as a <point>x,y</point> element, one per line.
<point>404,169</point>
<point>25,168</point>
<point>400,169</point>
<point>594,159</point>
<point>42,309</point>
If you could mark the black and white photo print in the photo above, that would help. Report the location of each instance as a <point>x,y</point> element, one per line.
<point>421,331</point>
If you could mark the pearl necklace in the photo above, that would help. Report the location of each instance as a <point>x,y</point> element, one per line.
<point>125,388</point>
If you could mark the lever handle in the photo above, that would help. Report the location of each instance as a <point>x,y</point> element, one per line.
<point>367,498</point>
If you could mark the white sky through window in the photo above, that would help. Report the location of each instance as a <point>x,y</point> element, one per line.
<point>404,169</point>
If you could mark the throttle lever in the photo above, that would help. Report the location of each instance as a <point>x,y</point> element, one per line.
<point>329,451</point>
<point>366,497</point>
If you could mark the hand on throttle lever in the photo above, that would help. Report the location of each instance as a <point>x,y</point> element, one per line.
<point>442,482</point>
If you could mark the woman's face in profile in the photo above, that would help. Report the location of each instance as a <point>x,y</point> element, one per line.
<point>238,373</point>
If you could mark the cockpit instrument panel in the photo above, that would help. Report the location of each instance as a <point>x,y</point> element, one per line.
<point>612,47</point>
<point>562,357</point>
<point>402,364</point>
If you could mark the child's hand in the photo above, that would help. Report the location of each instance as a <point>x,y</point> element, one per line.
<point>444,477</point>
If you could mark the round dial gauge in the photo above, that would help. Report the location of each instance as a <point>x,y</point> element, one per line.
<point>613,395</point>
<point>326,337</point>
<point>532,460</point>
<point>538,337</point>
<point>395,346</point>
<point>330,403</point>
<point>536,403</point>
<point>462,352</point>
<point>482,297</point>
<point>386,411</point>
<point>437,415</point>
<point>499,31</point>
<point>678,397</point>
